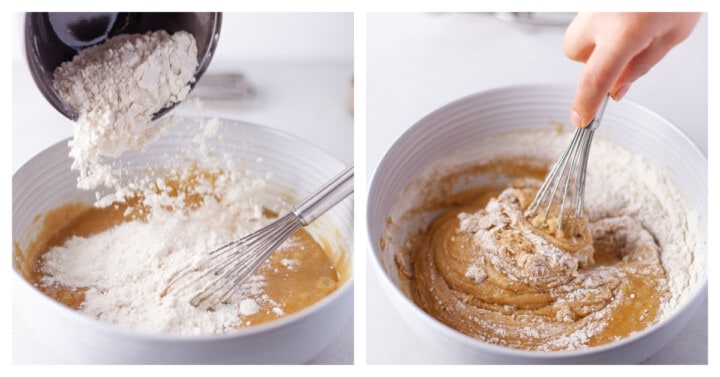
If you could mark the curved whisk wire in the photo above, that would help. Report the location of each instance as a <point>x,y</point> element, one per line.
<point>563,190</point>
<point>216,277</point>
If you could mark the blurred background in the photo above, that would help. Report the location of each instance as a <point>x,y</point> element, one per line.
<point>289,71</point>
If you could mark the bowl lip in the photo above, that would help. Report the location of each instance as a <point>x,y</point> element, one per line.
<point>285,321</point>
<point>700,291</point>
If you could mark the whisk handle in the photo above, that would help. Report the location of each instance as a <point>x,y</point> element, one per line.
<point>326,196</point>
<point>595,123</point>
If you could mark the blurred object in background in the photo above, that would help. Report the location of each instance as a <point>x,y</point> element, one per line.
<point>223,86</point>
<point>537,19</point>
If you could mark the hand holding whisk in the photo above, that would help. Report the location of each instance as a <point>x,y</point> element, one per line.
<point>230,265</point>
<point>566,184</point>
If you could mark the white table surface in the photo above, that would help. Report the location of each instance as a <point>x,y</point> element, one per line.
<point>300,91</point>
<point>419,62</point>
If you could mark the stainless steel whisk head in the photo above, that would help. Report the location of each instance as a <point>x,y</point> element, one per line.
<point>565,183</point>
<point>225,269</point>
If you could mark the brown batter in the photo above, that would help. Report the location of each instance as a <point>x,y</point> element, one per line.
<point>311,279</point>
<point>486,270</point>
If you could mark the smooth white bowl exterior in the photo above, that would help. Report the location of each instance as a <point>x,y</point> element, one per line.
<point>297,167</point>
<point>530,107</point>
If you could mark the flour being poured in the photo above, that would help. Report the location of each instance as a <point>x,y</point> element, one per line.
<point>116,87</point>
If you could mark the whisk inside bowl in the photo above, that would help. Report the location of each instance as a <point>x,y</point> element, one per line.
<point>559,201</point>
<point>227,267</point>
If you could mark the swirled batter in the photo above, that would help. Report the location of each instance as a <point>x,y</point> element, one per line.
<point>486,270</point>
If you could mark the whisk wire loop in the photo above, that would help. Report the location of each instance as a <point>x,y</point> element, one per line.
<point>248,255</point>
<point>569,172</point>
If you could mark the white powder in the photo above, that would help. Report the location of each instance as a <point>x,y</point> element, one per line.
<point>248,306</point>
<point>116,87</point>
<point>127,267</point>
<point>290,264</point>
<point>476,273</point>
<point>209,130</point>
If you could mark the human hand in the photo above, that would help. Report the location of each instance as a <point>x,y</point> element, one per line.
<point>617,49</point>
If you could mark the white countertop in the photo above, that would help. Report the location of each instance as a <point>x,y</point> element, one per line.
<point>301,70</point>
<point>419,62</point>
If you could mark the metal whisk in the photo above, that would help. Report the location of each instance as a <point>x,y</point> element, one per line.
<point>230,265</point>
<point>568,173</point>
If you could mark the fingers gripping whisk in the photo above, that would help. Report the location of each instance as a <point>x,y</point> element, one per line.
<point>561,196</point>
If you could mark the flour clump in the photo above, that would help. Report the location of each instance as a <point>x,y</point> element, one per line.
<point>116,87</point>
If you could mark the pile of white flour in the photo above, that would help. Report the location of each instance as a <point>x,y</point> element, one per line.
<point>116,87</point>
<point>128,267</point>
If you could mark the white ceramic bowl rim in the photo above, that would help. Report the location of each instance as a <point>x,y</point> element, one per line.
<point>701,287</point>
<point>275,324</point>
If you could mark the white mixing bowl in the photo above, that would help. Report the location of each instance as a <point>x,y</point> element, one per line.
<point>298,167</point>
<point>472,118</point>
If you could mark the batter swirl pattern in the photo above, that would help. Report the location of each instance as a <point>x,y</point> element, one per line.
<point>486,270</point>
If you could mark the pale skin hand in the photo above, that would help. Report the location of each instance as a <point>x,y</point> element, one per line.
<point>617,49</point>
